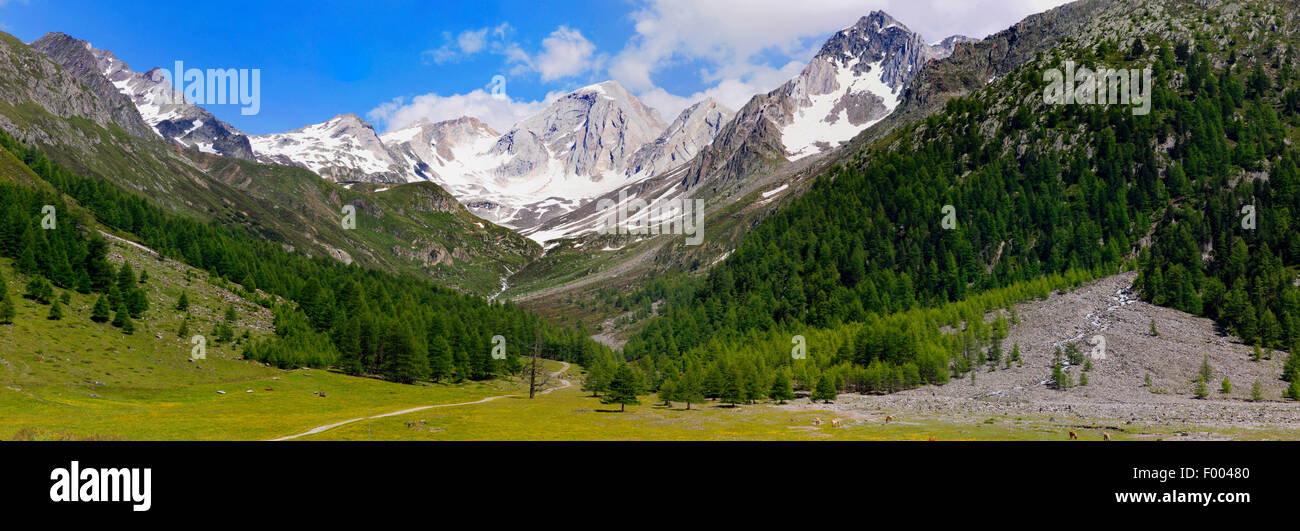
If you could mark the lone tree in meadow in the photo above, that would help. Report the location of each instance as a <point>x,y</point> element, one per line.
<point>183,304</point>
<point>624,388</point>
<point>825,390</point>
<point>690,389</point>
<point>668,391</point>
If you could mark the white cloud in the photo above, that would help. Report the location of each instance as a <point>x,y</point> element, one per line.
<point>734,39</point>
<point>469,43</point>
<point>565,52</point>
<point>499,112</point>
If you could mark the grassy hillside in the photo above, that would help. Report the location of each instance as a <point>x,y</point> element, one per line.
<point>74,378</point>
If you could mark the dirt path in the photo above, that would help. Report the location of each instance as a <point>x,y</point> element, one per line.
<point>327,427</point>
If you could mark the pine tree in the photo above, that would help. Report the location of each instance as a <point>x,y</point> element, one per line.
<point>40,290</point>
<point>690,390</point>
<point>184,329</point>
<point>100,313</point>
<point>1199,390</point>
<point>56,311</point>
<point>1293,390</point>
<point>121,316</point>
<point>733,389</point>
<point>1225,387</point>
<point>7,310</point>
<point>781,390</point>
<point>1256,392</point>
<point>825,390</point>
<point>404,362</point>
<point>137,303</point>
<point>231,316</point>
<point>183,304</point>
<point>1154,332</point>
<point>598,378</point>
<point>668,391</point>
<point>1291,371</point>
<point>1060,378</point>
<point>623,389</point>
<point>1083,379</point>
<point>440,360</point>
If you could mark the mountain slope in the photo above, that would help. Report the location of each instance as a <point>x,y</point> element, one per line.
<point>159,105</point>
<point>406,229</point>
<point>892,261</point>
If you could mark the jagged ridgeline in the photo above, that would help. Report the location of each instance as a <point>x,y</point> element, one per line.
<point>889,294</point>
<point>326,313</point>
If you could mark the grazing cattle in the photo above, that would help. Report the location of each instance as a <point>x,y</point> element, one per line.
<point>889,418</point>
<point>835,423</point>
<point>817,421</point>
<point>931,438</point>
<point>1073,436</point>
<point>1105,436</point>
<point>322,394</point>
<point>269,389</point>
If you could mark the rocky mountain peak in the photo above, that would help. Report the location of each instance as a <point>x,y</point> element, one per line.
<point>79,58</point>
<point>149,101</point>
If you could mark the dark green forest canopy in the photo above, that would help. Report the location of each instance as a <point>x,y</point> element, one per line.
<point>1038,190</point>
<point>364,321</point>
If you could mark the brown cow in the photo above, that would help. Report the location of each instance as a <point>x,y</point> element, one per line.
<point>931,438</point>
<point>889,418</point>
<point>1073,436</point>
<point>817,421</point>
<point>835,423</point>
<point>1105,436</point>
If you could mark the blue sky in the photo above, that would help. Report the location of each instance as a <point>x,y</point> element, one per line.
<point>396,61</point>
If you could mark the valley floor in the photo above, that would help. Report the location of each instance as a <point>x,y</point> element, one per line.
<point>151,392</point>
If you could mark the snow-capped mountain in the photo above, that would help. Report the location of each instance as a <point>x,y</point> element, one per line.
<point>449,153</point>
<point>589,133</point>
<point>343,148</point>
<point>854,81</point>
<point>693,129</point>
<point>163,108</point>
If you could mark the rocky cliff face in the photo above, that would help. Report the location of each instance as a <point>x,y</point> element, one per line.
<point>77,57</point>
<point>692,131</point>
<point>589,133</point>
<point>145,99</point>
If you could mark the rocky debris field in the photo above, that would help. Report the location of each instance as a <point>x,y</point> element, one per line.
<point>1117,396</point>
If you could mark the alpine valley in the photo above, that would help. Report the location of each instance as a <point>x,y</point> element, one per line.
<point>905,229</point>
